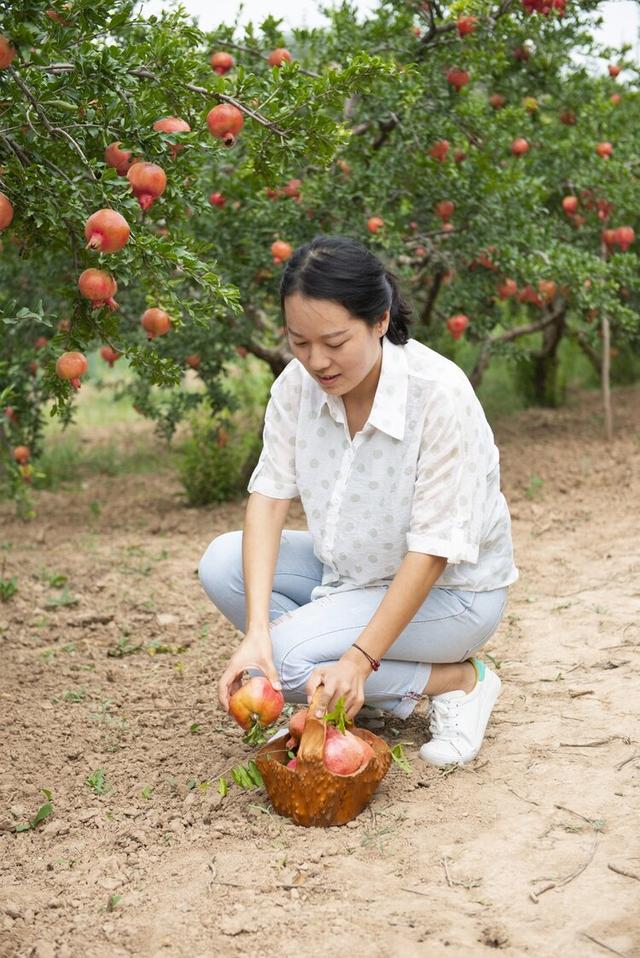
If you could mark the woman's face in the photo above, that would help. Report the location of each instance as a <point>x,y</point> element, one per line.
<point>336,348</point>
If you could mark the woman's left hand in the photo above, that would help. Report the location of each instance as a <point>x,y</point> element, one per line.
<point>344,678</point>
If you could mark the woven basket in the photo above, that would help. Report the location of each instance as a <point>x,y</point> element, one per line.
<point>311,794</point>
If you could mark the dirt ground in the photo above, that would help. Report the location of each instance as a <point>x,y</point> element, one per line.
<point>532,850</point>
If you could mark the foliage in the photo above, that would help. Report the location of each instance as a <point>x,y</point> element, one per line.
<point>367,120</point>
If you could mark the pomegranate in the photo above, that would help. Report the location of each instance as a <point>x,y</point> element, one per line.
<point>614,70</point>
<point>529,295</point>
<point>292,189</point>
<point>7,53</point>
<point>148,182</point>
<point>345,753</point>
<point>41,342</point>
<point>225,122</point>
<point>605,150</point>
<point>172,124</point>
<point>217,199</point>
<point>520,146</point>
<point>466,25</point>
<point>457,78</point>
<point>297,723</point>
<point>444,209</point>
<point>568,117</point>
<point>548,289</point>
<point>292,763</point>
<point>277,57</point>
<point>155,322</point>
<point>106,231</point>
<point>193,360</point>
<point>99,287</point>
<point>530,104</point>
<point>110,355</point>
<point>72,366</point>
<point>12,415</point>
<point>615,98</point>
<point>625,236</point>
<point>256,700</point>
<point>221,63</point>
<point>507,289</point>
<point>375,224</point>
<point>497,101</point>
<point>459,156</point>
<point>457,325</point>
<point>22,454</point>
<point>570,204</point>
<point>6,211</point>
<point>280,251</point>
<point>439,150</point>
<point>119,160</point>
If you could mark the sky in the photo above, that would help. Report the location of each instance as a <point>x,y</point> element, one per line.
<point>621,17</point>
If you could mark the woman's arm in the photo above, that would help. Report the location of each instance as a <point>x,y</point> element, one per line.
<point>410,587</point>
<point>263,524</point>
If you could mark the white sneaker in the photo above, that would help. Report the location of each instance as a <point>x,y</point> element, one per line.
<point>458,721</point>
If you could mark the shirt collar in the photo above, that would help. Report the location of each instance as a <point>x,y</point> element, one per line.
<point>388,413</point>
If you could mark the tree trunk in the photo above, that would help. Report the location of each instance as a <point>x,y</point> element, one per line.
<point>539,375</point>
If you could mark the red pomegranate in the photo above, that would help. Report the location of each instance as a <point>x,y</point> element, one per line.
<point>119,160</point>
<point>297,723</point>
<point>72,366</point>
<point>292,763</point>
<point>614,70</point>
<point>6,211</point>
<point>457,325</point>
<point>507,289</point>
<point>172,124</point>
<point>106,231</point>
<point>221,63</point>
<point>155,322</point>
<point>148,182</point>
<point>570,204</point>
<point>217,199</point>
<point>110,355</point>
<point>41,342</point>
<point>625,236</point>
<point>444,209</point>
<point>605,150</point>
<point>277,57</point>
<point>7,53</point>
<point>99,287</point>
<point>12,415</point>
<point>193,360</point>
<point>22,454</point>
<point>497,101</point>
<point>520,146</point>
<point>439,150</point>
<point>345,753</point>
<point>281,251</point>
<point>225,122</point>
<point>548,289</point>
<point>375,224</point>
<point>292,189</point>
<point>457,78</point>
<point>466,25</point>
<point>256,700</point>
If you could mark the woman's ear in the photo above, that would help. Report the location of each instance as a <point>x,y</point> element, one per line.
<point>384,322</point>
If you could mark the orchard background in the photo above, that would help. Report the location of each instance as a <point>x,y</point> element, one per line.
<point>489,154</point>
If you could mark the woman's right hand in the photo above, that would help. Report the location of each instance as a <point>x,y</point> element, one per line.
<point>253,652</point>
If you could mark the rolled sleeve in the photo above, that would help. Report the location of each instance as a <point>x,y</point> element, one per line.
<point>450,490</point>
<point>275,472</point>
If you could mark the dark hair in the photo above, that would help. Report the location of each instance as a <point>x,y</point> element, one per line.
<point>344,271</point>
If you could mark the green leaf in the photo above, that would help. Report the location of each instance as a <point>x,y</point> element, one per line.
<point>338,717</point>
<point>223,786</point>
<point>398,756</point>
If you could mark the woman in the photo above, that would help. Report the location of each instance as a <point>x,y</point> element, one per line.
<point>404,571</point>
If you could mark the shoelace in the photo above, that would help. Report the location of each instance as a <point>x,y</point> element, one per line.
<point>442,717</point>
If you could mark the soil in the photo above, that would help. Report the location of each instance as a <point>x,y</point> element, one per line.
<point>531,850</point>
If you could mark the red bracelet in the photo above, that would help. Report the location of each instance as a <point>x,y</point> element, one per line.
<point>374,663</point>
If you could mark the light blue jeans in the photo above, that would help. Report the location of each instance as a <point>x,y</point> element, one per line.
<point>449,626</point>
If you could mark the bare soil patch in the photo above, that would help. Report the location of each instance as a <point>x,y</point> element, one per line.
<point>531,850</point>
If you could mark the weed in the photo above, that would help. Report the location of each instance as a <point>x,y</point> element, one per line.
<point>97,782</point>
<point>8,588</point>
<point>72,695</point>
<point>535,487</point>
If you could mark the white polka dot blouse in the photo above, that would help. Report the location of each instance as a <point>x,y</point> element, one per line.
<point>422,475</point>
